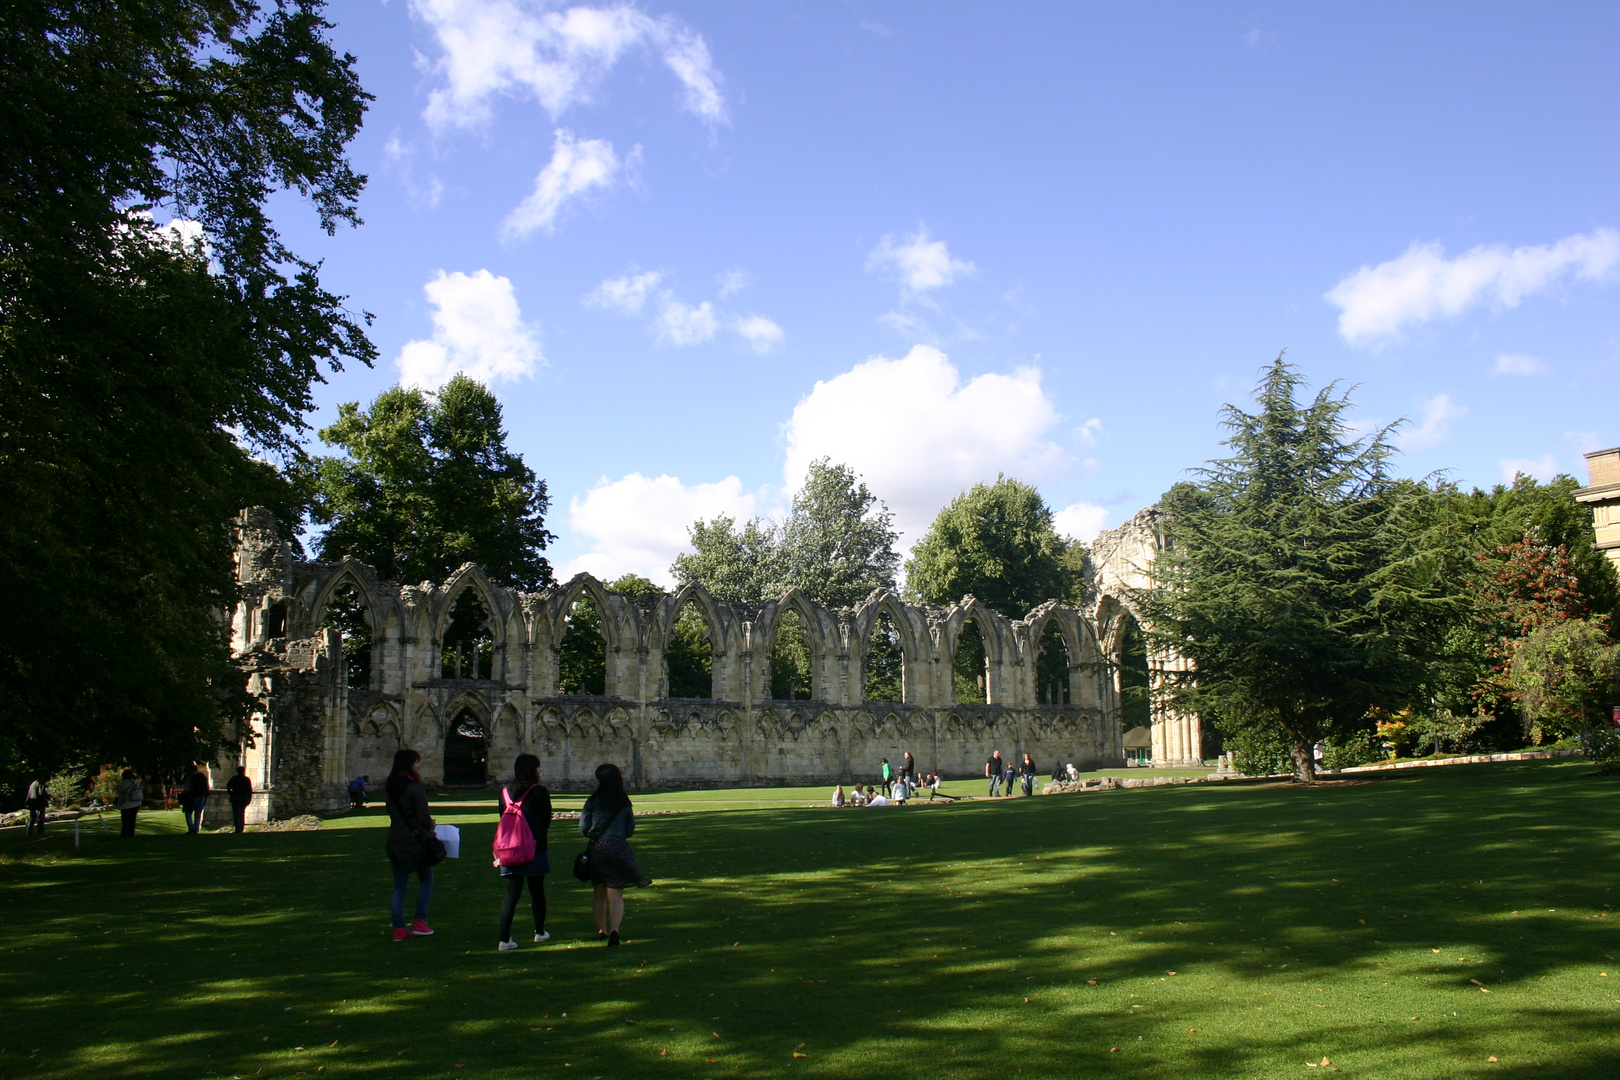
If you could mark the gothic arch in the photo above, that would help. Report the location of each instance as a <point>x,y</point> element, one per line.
<point>470,576</point>
<point>971,607</point>
<point>563,600</point>
<point>770,618</point>
<point>363,579</point>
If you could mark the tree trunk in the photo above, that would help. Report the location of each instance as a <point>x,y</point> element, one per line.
<point>1304,761</point>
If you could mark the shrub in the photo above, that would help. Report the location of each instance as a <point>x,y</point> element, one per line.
<point>67,789</point>
<point>1363,748</point>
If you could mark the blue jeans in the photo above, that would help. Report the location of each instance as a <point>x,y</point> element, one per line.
<point>995,783</point>
<point>193,810</point>
<point>423,893</point>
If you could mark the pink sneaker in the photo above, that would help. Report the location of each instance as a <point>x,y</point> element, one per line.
<point>420,928</point>
<point>401,934</point>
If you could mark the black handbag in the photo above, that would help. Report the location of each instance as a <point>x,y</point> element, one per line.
<point>433,849</point>
<point>582,861</point>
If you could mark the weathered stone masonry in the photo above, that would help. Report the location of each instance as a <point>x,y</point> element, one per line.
<point>311,732</point>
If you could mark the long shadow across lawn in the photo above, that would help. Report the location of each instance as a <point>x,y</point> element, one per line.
<point>1410,926</point>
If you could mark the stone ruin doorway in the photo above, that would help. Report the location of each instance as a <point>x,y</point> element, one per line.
<point>466,752</point>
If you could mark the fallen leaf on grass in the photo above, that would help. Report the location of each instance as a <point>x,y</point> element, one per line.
<point>799,1055</point>
<point>1191,1030</point>
<point>331,1044</point>
<point>1434,950</point>
<point>801,1046</point>
<point>1091,982</point>
<point>1482,987</point>
<point>663,1053</point>
<point>1492,1060</point>
<point>1113,1049</point>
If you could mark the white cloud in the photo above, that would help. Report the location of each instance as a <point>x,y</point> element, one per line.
<point>638,524</point>
<point>626,294</point>
<point>1378,302</point>
<point>761,333</point>
<point>575,168</point>
<point>1089,431</point>
<point>1544,468</point>
<point>733,281</point>
<point>477,328</point>
<point>1258,37</point>
<point>1587,441</point>
<point>1514,364</point>
<point>919,436</point>
<point>511,48</point>
<point>1082,521</point>
<point>1438,413</point>
<point>918,263</point>
<point>682,324</point>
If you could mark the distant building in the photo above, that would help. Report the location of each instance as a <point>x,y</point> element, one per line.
<point>1603,496</point>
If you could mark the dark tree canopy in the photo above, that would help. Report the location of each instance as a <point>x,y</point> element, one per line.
<point>997,543</point>
<point>427,484</point>
<point>136,373</point>
<point>1305,583</point>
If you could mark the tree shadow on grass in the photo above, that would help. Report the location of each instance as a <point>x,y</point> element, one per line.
<point>1279,924</point>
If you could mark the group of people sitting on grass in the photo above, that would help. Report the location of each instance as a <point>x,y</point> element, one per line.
<point>899,788</point>
<point>897,792</point>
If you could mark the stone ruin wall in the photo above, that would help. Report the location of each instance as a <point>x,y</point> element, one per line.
<point>310,732</point>
<point>1119,566</point>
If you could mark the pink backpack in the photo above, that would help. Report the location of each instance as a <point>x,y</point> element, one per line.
<point>514,840</point>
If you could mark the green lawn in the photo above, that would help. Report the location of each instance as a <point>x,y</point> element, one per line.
<point>1209,930</point>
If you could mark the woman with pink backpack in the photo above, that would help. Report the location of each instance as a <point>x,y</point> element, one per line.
<point>520,846</point>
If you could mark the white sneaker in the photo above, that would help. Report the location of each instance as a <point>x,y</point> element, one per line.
<point>507,946</point>
<point>541,938</point>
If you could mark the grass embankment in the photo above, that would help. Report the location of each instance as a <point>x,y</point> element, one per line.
<point>1219,930</point>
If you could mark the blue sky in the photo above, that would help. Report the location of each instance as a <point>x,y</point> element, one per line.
<point>695,246</point>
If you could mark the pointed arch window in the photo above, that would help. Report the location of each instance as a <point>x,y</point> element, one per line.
<point>469,640</point>
<point>689,655</point>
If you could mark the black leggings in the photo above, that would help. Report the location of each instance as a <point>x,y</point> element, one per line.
<point>537,901</point>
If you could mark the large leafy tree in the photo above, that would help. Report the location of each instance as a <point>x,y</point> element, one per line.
<point>1533,563</point>
<point>142,377</point>
<point>838,543</point>
<point>737,565</point>
<point>1567,675</point>
<point>1305,583</point>
<point>836,546</point>
<point>997,542</point>
<point>426,484</point>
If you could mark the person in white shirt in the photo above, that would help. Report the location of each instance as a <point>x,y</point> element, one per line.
<point>838,795</point>
<point>879,800</point>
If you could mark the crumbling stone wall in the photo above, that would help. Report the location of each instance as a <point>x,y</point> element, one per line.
<point>312,732</point>
<point>1119,566</point>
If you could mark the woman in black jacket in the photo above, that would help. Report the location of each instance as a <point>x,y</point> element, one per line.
<point>527,790</point>
<point>408,822</point>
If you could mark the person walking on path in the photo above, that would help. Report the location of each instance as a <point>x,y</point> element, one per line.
<point>992,769</point>
<point>609,822</point>
<point>528,797</point>
<point>908,767</point>
<point>128,800</point>
<point>239,789</point>
<point>36,800</point>
<point>1026,775</point>
<point>408,820</point>
<point>1010,772</point>
<point>888,776</point>
<point>194,799</point>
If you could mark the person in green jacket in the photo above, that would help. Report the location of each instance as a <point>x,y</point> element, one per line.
<point>887,776</point>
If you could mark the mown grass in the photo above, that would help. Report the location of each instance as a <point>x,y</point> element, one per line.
<point>1226,930</point>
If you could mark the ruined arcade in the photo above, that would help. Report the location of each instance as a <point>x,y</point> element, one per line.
<point>315,724</point>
